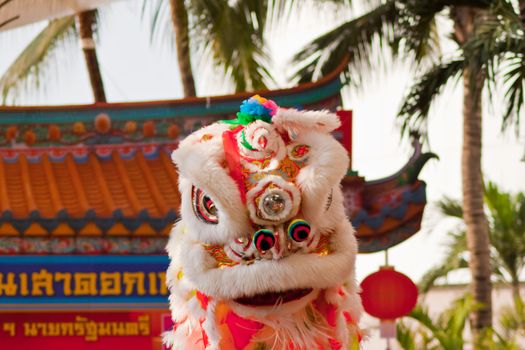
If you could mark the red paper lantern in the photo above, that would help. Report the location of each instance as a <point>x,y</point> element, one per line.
<point>388,294</point>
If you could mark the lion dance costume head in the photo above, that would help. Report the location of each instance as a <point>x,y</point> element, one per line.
<point>264,255</point>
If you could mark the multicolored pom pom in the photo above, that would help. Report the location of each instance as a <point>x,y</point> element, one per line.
<point>255,108</point>
<point>259,107</point>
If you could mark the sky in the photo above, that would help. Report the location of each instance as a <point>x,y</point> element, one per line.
<point>133,69</point>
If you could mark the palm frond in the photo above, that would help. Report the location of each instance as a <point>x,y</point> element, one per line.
<point>514,80</point>
<point>417,25</point>
<point>354,39</point>
<point>512,318</point>
<point>453,260</point>
<point>229,34</point>
<point>500,205</point>
<point>421,315</point>
<point>405,336</point>
<point>35,63</point>
<point>156,14</point>
<point>494,36</point>
<point>233,35</point>
<point>455,319</point>
<point>418,30</point>
<point>489,339</point>
<point>281,11</point>
<point>450,207</point>
<point>497,48</point>
<point>417,103</point>
<point>498,268</point>
<point>445,332</point>
<point>506,215</point>
<point>507,234</point>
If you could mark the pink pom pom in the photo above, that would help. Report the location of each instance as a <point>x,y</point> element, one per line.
<point>272,106</point>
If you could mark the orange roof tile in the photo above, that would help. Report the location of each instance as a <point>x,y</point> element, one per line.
<point>117,191</point>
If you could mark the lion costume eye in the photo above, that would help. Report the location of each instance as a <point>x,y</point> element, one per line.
<point>203,206</point>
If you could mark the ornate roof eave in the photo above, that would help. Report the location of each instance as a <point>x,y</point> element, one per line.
<point>302,95</point>
<point>409,172</point>
<point>393,206</point>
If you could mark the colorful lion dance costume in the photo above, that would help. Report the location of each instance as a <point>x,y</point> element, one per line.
<point>264,255</point>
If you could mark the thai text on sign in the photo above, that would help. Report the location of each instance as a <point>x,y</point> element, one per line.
<point>74,280</point>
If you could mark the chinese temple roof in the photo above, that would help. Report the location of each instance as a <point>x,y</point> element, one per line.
<point>40,190</point>
<point>98,179</point>
<point>387,211</point>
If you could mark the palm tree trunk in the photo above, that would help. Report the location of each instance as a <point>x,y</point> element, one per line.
<point>179,17</point>
<point>515,287</point>
<point>85,28</point>
<point>477,231</point>
<point>473,211</point>
<point>522,12</point>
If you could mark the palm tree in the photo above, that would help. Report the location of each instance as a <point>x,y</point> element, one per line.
<point>230,33</point>
<point>179,17</point>
<point>506,215</point>
<point>512,320</point>
<point>490,45</point>
<point>86,22</point>
<point>445,332</point>
<point>39,56</point>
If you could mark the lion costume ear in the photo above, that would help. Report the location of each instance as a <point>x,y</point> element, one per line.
<point>294,122</point>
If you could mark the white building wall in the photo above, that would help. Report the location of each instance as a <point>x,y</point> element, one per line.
<point>437,300</point>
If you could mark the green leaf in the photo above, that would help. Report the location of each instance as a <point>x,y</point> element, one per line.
<point>230,34</point>
<point>234,36</point>
<point>497,48</point>
<point>417,103</point>
<point>451,207</point>
<point>417,28</point>
<point>405,336</point>
<point>506,216</point>
<point>452,260</point>
<point>34,64</point>
<point>444,332</point>
<point>353,40</point>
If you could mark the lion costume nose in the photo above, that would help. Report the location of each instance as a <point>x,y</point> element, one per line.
<point>299,230</point>
<point>279,241</point>
<point>264,240</point>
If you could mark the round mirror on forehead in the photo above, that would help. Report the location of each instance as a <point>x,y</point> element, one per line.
<point>273,203</point>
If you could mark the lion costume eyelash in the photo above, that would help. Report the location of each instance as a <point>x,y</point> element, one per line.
<point>264,255</point>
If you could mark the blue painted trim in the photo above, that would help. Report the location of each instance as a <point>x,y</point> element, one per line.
<point>160,111</point>
<point>104,223</point>
<point>84,259</point>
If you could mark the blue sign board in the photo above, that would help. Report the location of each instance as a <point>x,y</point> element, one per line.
<point>92,282</point>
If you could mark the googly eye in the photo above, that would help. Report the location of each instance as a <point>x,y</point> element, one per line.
<point>203,206</point>
<point>264,240</point>
<point>299,230</point>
